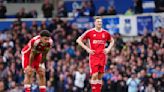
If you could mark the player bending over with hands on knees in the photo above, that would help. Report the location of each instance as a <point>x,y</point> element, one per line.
<point>33,59</point>
<point>97,37</point>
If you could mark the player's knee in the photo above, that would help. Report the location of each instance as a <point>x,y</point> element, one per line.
<point>29,74</point>
<point>94,76</point>
<point>41,75</point>
<point>41,72</point>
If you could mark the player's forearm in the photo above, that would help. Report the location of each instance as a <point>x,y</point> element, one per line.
<point>44,55</point>
<point>79,41</point>
<point>31,58</point>
<point>44,58</point>
<point>111,44</point>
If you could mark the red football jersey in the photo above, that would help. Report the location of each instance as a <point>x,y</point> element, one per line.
<point>37,45</point>
<point>97,39</point>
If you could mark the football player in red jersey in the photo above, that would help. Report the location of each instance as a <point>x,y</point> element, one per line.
<point>97,38</point>
<point>33,58</point>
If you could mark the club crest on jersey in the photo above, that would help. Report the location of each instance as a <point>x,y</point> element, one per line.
<point>103,35</point>
<point>94,35</point>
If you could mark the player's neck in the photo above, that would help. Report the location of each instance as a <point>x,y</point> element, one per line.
<point>98,29</point>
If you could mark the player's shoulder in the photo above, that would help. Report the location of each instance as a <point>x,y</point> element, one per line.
<point>89,30</point>
<point>92,29</point>
<point>36,37</point>
<point>35,40</point>
<point>105,31</point>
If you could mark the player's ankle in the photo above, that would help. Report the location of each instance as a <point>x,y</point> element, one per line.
<point>27,87</point>
<point>98,85</point>
<point>99,81</point>
<point>42,88</point>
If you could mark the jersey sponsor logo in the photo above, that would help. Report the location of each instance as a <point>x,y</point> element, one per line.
<point>98,42</point>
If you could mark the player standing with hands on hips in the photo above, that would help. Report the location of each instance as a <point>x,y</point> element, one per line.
<point>97,37</point>
<point>33,59</point>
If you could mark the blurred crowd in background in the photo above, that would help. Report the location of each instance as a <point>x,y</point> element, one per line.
<point>87,8</point>
<point>131,66</point>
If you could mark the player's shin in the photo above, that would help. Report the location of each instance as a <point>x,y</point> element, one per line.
<point>27,83</point>
<point>93,82</point>
<point>93,85</point>
<point>42,84</point>
<point>99,82</point>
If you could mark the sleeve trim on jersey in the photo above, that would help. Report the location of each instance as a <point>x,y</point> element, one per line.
<point>83,35</point>
<point>29,44</point>
<point>108,33</point>
<point>23,52</point>
<point>36,42</point>
<point>36,37</point>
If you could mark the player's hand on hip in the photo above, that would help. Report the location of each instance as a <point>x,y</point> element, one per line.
<point>106,50</point>
<point>91,51</point>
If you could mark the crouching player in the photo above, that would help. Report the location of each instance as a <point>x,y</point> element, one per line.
<point>33,58</point>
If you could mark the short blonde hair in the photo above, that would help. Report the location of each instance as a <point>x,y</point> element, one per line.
<point>97,17</point>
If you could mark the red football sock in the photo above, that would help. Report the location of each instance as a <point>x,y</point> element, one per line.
<point>42,88</point>
<point>99,85</point>
<point>93,86</point>
<point>27,88</point>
